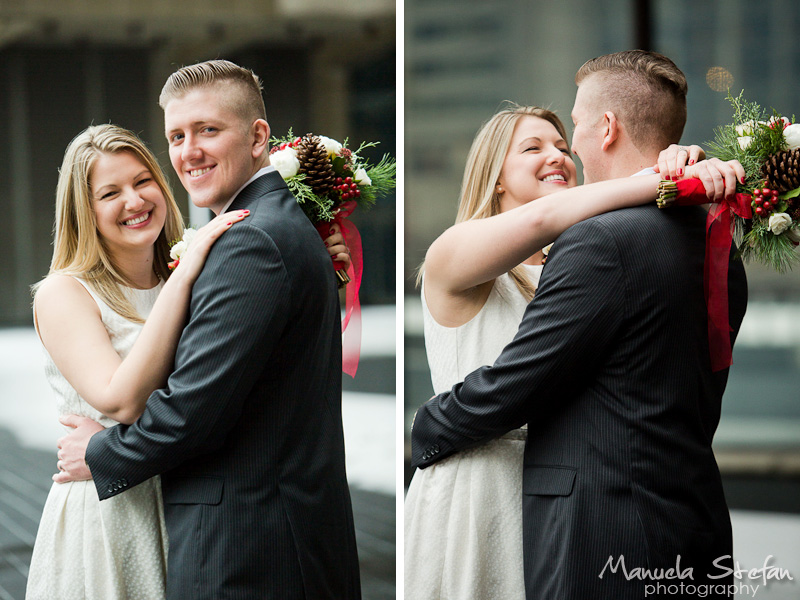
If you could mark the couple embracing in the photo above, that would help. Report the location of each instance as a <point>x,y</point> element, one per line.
<point>576,427</point>
<point>223,377</point>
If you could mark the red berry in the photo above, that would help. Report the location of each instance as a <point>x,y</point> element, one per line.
<point>296,141</point>
<point>339,181</point>
<point>283,146</point>
<point>767,205</point>
<point>759,210</point>
<point>759,201</point>
<point>766,191</point>
<point>346,196</point>
<point>348,180</point>
<point>353,186</point>
<point>774,193</point>
<point>357,193</point>
<point>756,192</point>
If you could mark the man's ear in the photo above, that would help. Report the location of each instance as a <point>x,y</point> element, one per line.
<point>260,137</point>
<point>611,129</point>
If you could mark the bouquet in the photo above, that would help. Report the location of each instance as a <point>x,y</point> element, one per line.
<point>766,211</point>
<point>763,214</point>
<point>329,181</point>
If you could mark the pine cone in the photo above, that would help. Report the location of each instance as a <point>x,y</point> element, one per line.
<point>316,166</point>
<point>782,170</point>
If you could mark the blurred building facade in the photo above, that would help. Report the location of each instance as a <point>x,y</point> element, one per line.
<point>464,58</point>
<point>64,65</point>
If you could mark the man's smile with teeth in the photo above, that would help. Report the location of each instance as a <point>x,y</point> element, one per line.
<point>198,172</point>
<point>137,220</point>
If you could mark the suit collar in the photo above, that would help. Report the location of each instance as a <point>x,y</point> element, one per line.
<point>256,175</point>
<point>269,182</point>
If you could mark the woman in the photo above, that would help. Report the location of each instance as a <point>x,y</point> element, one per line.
<point>463,529</point>
<point>115,216</point>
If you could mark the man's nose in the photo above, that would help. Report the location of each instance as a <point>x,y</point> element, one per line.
<point>190,149</point>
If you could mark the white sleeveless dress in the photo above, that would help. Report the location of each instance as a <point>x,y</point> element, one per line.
<point>463,515</point>
<point>91,550</point>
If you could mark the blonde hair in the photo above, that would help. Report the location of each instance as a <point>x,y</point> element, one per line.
<point>647,93</point>
<point>245,101</point>
<point>79,250</point>
<point>479,198</point>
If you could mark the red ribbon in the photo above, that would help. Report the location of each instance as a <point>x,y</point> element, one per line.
<point>351,337</point>
<point>718,248</point>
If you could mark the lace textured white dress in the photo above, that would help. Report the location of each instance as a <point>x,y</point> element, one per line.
<point>91,550</point>
<point>463,515</point>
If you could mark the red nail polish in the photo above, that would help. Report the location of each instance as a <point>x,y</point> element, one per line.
<point>741,179</point>
<point>691,161</point>
<point>229,223</point>
<point>680,171</point>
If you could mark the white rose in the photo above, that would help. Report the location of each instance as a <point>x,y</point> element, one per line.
<point>188,235</point>
<point>177,250</point>
<point>285,161</point>
<point>745,128</point>
<point>332,147</point>
<point>744,141</point>
<point>362,177</point>
<point>779,222</point>
<point>792,133</point>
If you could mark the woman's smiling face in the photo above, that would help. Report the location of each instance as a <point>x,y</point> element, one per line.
<point>537,163</point>
<point>128,203</point>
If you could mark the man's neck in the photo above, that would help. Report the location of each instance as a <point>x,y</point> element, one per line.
<point>630,163</point>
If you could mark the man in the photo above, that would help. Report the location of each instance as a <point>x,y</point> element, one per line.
<point>248,434</point>
<point>610,369</point>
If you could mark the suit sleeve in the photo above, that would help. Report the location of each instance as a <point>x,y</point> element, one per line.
<point>239,307</point>
<point>561,341</point>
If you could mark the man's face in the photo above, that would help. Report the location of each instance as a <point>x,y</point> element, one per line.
<point>210,147</point>
<point>587,137</point>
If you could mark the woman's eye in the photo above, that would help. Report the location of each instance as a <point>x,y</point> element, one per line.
<point>144,180</point>
<point>532,148</point>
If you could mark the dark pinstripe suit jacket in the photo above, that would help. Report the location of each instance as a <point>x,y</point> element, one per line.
<point>610,369</point>
<point>248,432</point>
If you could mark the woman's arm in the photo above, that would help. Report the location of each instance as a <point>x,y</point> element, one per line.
<point>475,252</point>
<point>70,326</point>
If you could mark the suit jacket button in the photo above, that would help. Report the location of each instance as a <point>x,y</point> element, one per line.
<point>436,449</point>
<point>124,482</point>
<point>110,488</point>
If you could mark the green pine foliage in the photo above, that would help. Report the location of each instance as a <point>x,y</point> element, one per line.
<point>753,237</point>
